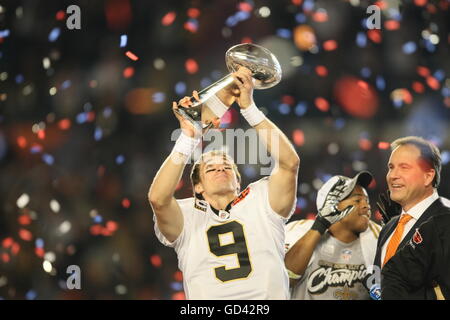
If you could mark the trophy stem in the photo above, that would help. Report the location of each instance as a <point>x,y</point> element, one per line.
<point>212,89</point>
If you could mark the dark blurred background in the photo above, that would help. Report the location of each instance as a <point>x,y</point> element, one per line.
<point>85,119</point>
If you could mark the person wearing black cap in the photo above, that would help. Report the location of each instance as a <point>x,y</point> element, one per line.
<point>327,258</point>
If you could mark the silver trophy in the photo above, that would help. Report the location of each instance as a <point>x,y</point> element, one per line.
<point>266,73</point>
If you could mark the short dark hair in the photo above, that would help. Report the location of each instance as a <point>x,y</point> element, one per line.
<point>428,152</point>
<point>195,172</point>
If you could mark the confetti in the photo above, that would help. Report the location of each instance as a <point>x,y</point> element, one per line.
<point>168,19</point>
<point>55,206</point>
<point>321,71</point>
<point>298,137</point>
<point>60,15</point>
<point>330,45</point>
<point>193,13</point>
<point>128,72</point>
<point>123,40</point>
<point>23,201</point>
<point>191,66</point>
<point>131,55</point>
<point>322,104</point>
<point>54,34</point>
<point>156,261</point>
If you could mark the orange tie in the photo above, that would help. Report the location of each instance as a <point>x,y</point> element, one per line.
<point>396,237</point>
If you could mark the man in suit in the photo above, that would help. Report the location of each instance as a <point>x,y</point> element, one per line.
<point>424,261</point>
<point>412,179</point>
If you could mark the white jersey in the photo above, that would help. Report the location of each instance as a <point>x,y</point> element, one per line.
<point>336,270</point>
<point>236,255</point>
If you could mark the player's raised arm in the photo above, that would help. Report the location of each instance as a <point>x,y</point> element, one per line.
<point>161,193</point>
<point>283,180</point>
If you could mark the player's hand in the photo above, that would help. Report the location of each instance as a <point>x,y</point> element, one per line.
<point>329,213</point>
<point>185,125</point>
<point>387,207</point>
<point>244,82</point>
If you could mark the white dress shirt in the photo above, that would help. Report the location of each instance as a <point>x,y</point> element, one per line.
<point>415,212</point>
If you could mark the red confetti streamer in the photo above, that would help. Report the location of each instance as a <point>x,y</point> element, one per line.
<point>322,104</point>
<point>22,142</point>
<point>169,18</point>
<point>298,137</point>
<point>191,27</point>
<point>128,72</point>
<point>320,16</point>
<point>363,85</point>
<point>392,25</point>
<point>15,248</point>
<point>297,2</point>
<point>433,83</point>
<point>374,35</point>
<point>156,260</point>
<point>25,235</point>
<point>193,13</point>
<point>191,66</point>
<point>321,71</point>
<point>245,6</point>
<point>105,232</point>
<point>7,242</point>
<point>60,15</point>
<point>178,276</point>
<point>96,229</point>
<point>39,252</point>
<point>381,4</point>
<point>131,55</point>
<point>24,220</point>
<point>112,226</point>
<point>5,257</point>
<point>420,3</point>
<point>126,203</point>
<point>288,100</point>
<point>418,87</point>
<point>41,134</point>
<point>90,116</point>
<point>423,71</point>
<point>407,97</point>
<point>179,296</point>
<point>383,145</point>
<point>330,45</point>
<point>365,144</point>
<point>64,124</point>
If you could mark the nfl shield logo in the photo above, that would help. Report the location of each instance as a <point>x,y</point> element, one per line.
<point>224,214</point>
<point>346,254</point>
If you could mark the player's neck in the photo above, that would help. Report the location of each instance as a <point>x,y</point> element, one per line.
<point>342,234</point>
<point>220,202</point>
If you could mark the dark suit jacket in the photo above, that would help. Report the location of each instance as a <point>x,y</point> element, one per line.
<point>436,208</point>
